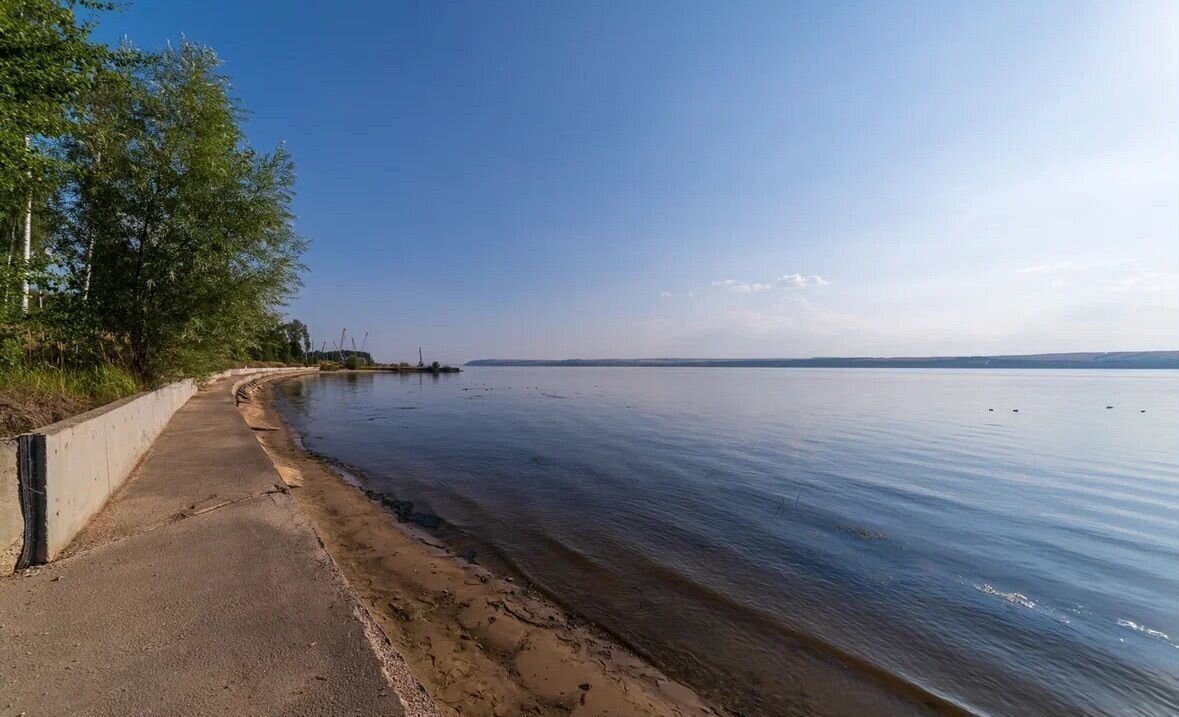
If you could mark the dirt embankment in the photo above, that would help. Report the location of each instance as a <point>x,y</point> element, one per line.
<point>480,643</point>
<point>21,411</point>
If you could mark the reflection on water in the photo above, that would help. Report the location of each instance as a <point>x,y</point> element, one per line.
<point>999,538</point>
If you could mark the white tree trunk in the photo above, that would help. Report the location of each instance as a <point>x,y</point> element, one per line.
<point>24,270</point>
<point>89,266</point>
<point>24,284</point>
<point>90,246</point>
<point>11,253</point>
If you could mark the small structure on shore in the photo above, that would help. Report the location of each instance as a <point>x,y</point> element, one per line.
<point>404,366</point>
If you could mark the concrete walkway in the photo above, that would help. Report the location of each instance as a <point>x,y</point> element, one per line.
<point>199,589</point>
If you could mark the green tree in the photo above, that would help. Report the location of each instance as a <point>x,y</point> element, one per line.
<point>298,340</point>
<point>277,341</point>
<point>46,60</point>
<point>176,235</point>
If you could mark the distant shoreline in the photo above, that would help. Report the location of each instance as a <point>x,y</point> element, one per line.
<point>1093,360</point>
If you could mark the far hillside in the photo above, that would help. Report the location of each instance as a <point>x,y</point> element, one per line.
<point>1116,359</point>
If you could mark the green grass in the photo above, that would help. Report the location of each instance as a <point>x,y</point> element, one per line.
<point>33,396</point>
<point>100,384</point>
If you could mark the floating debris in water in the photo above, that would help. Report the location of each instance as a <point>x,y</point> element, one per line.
<point>1109,406</point>
<point>782,503</point>
<point>1013,598</point>
<point>863,533</point>
<point>1015,410</point>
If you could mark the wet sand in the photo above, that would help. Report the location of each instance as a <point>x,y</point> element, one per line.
<point>480,643</point>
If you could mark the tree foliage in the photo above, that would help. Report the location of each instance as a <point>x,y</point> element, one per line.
<point>176,235</point>
<point>289,342</point>
<point>162,241</point>
<point>45,59</point>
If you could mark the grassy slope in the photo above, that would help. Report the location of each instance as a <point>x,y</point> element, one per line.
<point>33,396</point>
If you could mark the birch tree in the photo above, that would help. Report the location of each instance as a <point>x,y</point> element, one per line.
<point>178,234</point>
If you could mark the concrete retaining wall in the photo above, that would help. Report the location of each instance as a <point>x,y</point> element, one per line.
<point>12,522</point>
<point>87,457</point>
<point>81,461</point>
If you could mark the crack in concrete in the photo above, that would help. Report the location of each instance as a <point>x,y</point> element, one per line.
<point>176,518</point>
<point>193,511</point>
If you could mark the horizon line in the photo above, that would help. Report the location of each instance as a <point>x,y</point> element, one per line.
<point>845,358</point>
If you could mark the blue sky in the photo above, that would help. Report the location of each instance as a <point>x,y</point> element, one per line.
<point>560,179</point>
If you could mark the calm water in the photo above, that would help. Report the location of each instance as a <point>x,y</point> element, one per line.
<point>750,528</point>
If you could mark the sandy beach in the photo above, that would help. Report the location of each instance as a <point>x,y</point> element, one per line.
<point>480,643</point>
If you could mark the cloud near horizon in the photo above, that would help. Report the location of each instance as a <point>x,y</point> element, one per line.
<point>736,286</point>
<point>800,280</point>
<point>1112,277</point>
<point>786,281</point>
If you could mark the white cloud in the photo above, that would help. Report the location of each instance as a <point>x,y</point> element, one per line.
<point>736,286</point>
<point>788,281</point>
<point>666,294</point>
<point>798,280</point>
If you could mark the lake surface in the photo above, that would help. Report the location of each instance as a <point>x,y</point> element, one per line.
<point>771,535</point>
